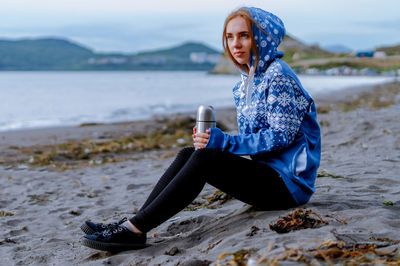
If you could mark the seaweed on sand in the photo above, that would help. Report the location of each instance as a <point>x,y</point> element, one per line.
<point>239,257</point>
<point>333,253</point>
<point>355,254</point>
<point>299,219</point>
<point>171,134</point>
<point>5,213</point>
<point>86,152</point>
<point>324,173</point>
<point>388,203</point>
<point>210,202</point>
<point>381,96</point>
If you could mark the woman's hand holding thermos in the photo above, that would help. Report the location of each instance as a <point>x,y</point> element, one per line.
<point>200,140</point>
<point>204,121</point>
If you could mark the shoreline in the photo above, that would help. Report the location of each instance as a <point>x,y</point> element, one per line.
<point>357,192</point>
<point>322,98</point>
<point>317,87</point>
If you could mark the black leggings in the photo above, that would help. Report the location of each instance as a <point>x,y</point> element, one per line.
<point>249,181</point>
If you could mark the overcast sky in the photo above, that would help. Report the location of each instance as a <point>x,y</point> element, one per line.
<point>131,26</point>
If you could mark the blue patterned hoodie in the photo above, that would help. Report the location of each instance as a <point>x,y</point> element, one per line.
<point>277,118</point>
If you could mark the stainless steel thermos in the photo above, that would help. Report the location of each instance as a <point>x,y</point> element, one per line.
<point>205,118</point>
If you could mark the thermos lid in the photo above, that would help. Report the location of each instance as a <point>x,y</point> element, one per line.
<point>206,113</point>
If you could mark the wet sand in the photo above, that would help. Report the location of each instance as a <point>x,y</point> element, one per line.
<point>43,205</point>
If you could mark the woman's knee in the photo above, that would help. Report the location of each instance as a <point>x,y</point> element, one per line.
<point>186,152</point>
<point>206,154</point>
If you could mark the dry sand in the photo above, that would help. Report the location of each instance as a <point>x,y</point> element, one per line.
<point>42,208</point>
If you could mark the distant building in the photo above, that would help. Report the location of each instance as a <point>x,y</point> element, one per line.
<point>368,72</point>
<point>390,73</point>
<point>312,71</point>
<point>332,71</point>
<point>380,54</point>
<point>117,60</point>
<point>150,60</point>
<point>203,57</point>
<point>107,60</point>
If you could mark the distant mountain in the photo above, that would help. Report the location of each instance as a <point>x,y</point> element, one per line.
<point>60,54</point>
<point>337,49</point>
<point>188,56</point>
<point>42,54</point>
<point>183,50</point>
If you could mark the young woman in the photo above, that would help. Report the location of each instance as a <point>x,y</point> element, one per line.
<point>278,128</point>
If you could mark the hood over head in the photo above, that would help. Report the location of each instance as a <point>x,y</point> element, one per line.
<point>268,34</point>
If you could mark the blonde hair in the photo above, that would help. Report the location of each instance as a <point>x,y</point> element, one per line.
<point>241,12</point>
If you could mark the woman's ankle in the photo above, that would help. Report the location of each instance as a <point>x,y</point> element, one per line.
<point>131,227</point>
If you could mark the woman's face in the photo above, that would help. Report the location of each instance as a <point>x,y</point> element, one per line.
<point>239,40</point>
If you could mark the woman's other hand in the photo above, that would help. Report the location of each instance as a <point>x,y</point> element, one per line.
<point>200,140</point>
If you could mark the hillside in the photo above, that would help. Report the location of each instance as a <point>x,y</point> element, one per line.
<point>188,56</point>
<point>390,50</point>
<point>183,50</point>
<point>60,54</point>
<point>42,54</point>
<point>296,50</point>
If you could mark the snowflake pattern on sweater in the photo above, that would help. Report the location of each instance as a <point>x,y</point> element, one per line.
<point>277,107</point>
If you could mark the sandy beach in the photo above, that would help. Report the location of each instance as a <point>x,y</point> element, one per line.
<point>52,180</point>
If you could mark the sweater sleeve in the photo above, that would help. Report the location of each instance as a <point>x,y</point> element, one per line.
<point>284,113</point>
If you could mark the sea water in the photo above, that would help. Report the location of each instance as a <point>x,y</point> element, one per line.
<point>48,99</point>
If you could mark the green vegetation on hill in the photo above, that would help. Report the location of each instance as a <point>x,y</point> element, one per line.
<point>42,54</point>
<point>59,54</point>
<point>183,50</point>
<point>295,50</point>
<point>178,58</point>
<point>390,50</point>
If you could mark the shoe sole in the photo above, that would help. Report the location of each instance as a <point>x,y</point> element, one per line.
<point>87,230</point>
<point>111,247</point>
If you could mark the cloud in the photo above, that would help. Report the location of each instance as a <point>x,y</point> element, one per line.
<point>381,24</point>
<point>355,40</point>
